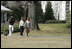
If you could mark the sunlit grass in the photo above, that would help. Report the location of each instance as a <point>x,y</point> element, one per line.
<point>52,30</point>
<point>46,30</point>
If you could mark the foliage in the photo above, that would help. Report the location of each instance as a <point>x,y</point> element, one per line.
<point>17,12</point>
<point>16,27</point>
<point>68,19</point>
<point>68,25</point>
<point>55,21</point>
<point>68,16</point>
<point>49,15</point>
<point>38,12</point>
<point>5,28</point>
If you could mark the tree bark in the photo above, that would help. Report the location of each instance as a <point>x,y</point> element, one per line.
<point>31,15</point>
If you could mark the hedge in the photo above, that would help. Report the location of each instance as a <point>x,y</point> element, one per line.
<point>68,24</point>
<point>55,21</point>
<point>5,28</point>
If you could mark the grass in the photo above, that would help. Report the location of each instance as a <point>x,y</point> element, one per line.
<point>52,30</point>
<point>46,30</point>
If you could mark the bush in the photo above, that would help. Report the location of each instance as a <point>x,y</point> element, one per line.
<point>16,28</point>
<point>68,19</point>
<point>68,24</point>
<point>5,29</point>
<point>55,21</point>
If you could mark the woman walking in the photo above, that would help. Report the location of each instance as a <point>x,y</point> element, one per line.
<point>21,26</point>
<point>27,25</point>
<point>11,23</point>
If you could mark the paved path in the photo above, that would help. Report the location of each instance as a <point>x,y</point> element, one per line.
<point>50,37</point>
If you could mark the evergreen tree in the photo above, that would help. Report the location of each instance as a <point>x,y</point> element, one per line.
<point>38,11</point>
<point>49,15</point>
<point>68,20</point>
<point>17,12</point>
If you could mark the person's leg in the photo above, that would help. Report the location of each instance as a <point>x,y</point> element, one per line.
<point>27,34</point>
<point>27,31</point>
<point>10,30</point>
<point>21,31</point>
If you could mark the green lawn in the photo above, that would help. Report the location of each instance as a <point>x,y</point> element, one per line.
<point>52,30</point>
<point>46,30</point>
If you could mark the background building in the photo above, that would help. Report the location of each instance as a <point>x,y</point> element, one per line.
<point>4,12</point>
<point>60,9</point>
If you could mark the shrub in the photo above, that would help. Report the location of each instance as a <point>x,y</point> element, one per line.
<point>5,29</point>
<point>16,27</point>
<point>55,21</point>
<point>68,19</point>
<point>68,24</point>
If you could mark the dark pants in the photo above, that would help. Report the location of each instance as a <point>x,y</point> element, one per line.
<point>21,30</point>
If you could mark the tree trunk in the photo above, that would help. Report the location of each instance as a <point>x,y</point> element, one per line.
<point>36,26</point>
<point>31,15</point>
<point>25,14</point>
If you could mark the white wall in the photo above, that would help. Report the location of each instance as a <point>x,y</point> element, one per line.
<point>63,11</point>
<point>59,8</point>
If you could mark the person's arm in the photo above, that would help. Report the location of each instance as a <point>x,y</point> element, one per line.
<point>30,26</point>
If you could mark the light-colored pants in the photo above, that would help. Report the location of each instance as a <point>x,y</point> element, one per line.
<point>10,29</point>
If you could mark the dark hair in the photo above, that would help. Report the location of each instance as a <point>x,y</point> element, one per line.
<point>28,18</point>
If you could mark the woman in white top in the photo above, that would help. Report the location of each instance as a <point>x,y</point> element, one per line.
<point>27,25</point>
<point>21,26</point>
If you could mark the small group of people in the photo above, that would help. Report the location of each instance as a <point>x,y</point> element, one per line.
<point>22,25</point>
